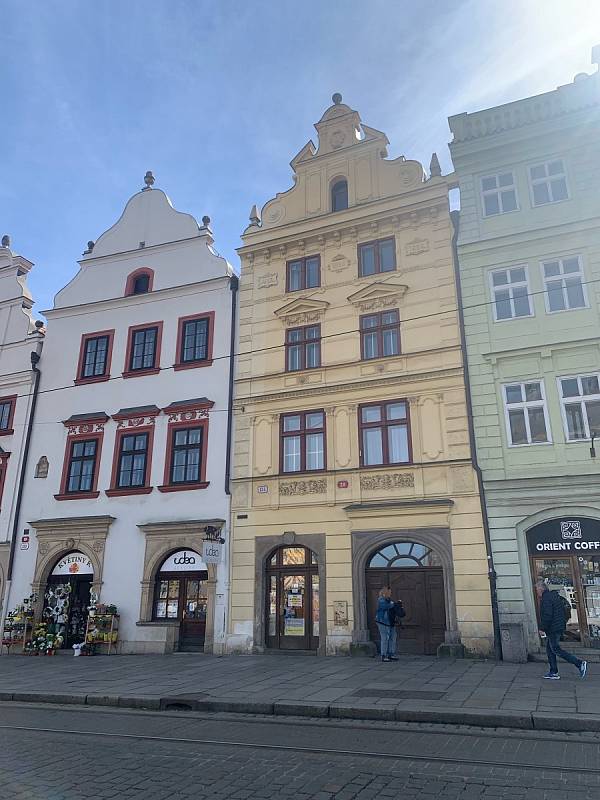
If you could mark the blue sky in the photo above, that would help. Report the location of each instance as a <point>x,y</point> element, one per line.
<point>217,97</point>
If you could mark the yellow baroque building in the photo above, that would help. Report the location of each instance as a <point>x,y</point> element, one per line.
<point>352,465</point>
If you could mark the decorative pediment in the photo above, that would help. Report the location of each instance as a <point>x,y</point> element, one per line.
<point>378,295</point>
<point>302,311</point>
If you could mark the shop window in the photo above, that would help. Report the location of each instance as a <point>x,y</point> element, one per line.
<point>143,350</point>
<point>139,282</point>
<point>510,293</point>
<point>526,413</point>
<point>303,273</point>
<point>303,442</point>
<point>292,599</point>
<point>181,596</point>
<point>194,341</point>
<point>548,182</point>
<point>375,257</point>
<point>380,334</point>
<point>303,348</point>
<point>7,413</point>
<point>498,194</point>
<point>384,430</point>
<point>580,399</point>
<point>564,284</point>
<point>95,357</point>
<point>339,195</point>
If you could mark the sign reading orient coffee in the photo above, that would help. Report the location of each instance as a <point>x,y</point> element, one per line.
<point>570,535</point>
<point>184,561</point>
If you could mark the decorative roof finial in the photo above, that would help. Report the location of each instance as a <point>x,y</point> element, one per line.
<point>206,221</point>
<point>148,180</point>
<point>90,247</point>
<point>337,99</point>
<point>254,216</point>
<point>6,240</point>
<point>435,171</point>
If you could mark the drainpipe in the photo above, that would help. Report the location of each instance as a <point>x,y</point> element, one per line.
<point>35,357</point>
<point>455,217</point>
<point>233,285</point>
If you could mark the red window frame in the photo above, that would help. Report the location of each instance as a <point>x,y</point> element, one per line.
<point>12,401</point>
<point>79,380</point>
<point>302,433</point>
<point>135,373</point>
<point>302,344</point>
<point>378,270</point>
<point>71,439</point>
<point>384,423</point>
<point>303,260</point>
<point>379,329</point>
<point>130,429</point>
<point>3,472</point>
<point>130,285</point>
<point>172,428</point>
<point>206,362</point>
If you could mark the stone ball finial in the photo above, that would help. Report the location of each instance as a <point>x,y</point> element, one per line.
<point>337,99</point>
<point>6,240</point>
<point>149,180</point>
<point>206,221</point>
<point>91,245</point>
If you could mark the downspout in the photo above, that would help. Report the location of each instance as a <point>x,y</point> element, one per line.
<point>35,357</point>
<point>455,217</point>
<point>233,285</point>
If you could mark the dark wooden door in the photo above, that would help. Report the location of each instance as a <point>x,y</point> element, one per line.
<point>193,600</point>
<point>421,591</point>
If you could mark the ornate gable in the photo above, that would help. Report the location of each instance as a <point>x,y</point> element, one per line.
<point>378,295</point>
<point>302,311</point>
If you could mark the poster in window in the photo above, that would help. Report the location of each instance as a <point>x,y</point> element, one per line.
<point>293,627</point>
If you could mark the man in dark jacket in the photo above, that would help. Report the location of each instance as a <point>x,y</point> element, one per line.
<point>553,623</point>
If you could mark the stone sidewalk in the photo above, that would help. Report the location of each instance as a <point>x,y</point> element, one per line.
<point>469,692</point>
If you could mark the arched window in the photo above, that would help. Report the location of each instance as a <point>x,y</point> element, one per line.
<point>139,282</point>
<point>402,554</point>
<point>339,195</point>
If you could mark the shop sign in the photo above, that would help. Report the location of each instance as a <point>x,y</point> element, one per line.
<point>25,540</point>
<point>184,561</point>
<point>570,535</point>
<point>211,552</point>
<point>74,564</point>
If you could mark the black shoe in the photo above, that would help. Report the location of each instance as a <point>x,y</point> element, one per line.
<point>392,658</point>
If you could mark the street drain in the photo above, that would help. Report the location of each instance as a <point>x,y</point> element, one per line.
<point>168,706</point>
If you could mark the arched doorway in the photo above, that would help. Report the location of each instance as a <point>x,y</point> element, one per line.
<point>67,597</point>
<point>416,577</point>
<point>292,602</point>
<point>181,596</point>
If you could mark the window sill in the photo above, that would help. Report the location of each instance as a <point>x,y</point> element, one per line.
<point>183,487</point>
<point>193,364</point>
<point>7,431</point>
<point>394,465</point>
<point>99,379</point>
<point>79,496</point>
<point>380,358</point>
<point>131,490</point>
<point>304,472</point>
<point>136,373</point>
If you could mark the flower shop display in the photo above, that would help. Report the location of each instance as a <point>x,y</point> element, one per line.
<point>102,627</point>
<point>18,625</point>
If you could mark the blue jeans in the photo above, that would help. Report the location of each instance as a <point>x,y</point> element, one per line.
<point>554,649</point>
<point>387,636</point>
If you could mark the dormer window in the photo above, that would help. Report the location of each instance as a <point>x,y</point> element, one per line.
<point>339,195</point>
<point>139,282</point>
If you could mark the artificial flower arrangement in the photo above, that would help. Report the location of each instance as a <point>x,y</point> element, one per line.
<point>43,642</point>
<point>15,624</point>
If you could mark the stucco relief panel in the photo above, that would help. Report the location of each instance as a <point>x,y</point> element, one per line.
<point>262,445</point>
<point>313,193</point>
<point>343,453</point>
<point>431,427</point>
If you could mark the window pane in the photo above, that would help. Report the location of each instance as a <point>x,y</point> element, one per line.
<point>593,414</point>
<point>538,171</point>
<point>570,387</point>
<point>390,342</point>
<point>509,200</point>
<point>194,435</point>
<point>537,425</point>
<point>505,179</point>
<point>503,307</point>
<point>372,446</point>
<point>540,194</point>
<point>518,431</point>
<point>521,302</point>
<point>555,167</point>
<point>371,414</point>
<point>575,296</point>
<point>295,275</point>
<point>314,451</point>
<point>367,259</point>
<point>291,423</point>
<point>559,189</point>
<point>570,265</point>
<point>398,444</point>
<point>551,269</point>
<point>312,272</point>
<point>491,204</point>
<point>533,391</point>
<point>387,256</point>
<point>313,355</point>
<point>295,335</point>
<point>500,278</point>
<point>589,384</point>
<point>4,415</point>
<point>291,454</point>
<point>396,411</point>
<point>489,182</point>
<point>315,605</point>
<point>370,321</point>
<point>78,449</point>
<point>389,317</point>
<point>293,555</point>
<point>513,394</point>
<point>575,425</point>
<point>314,420</point>
<point>370,345</point>
<point>314,332</point>
<point>517,274</point>
<point>294,358</point>
<point>556,300</point>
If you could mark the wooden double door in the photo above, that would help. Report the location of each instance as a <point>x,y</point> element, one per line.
<point>421,590</point>
<point>183,597</point>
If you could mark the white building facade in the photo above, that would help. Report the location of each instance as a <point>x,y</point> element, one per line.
<point>134,420</point>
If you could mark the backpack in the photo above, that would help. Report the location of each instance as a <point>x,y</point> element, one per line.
<point>566,608</point>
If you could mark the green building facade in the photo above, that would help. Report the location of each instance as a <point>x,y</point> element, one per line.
<point>529,264</point>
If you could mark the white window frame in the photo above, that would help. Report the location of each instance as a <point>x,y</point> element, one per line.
<point>580,399</point>
<point>548,178</point>
<point>581,272</point>
<point>508,286</point>
<point>498,190</point>
<point>524,405</point>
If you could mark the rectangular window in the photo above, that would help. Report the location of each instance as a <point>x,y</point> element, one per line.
<point>548,182</point>
<point>82,466</point>
<point>7,412</point>
<point>186,455</point>
<point>143,349</point>
<point>510,293</point>
<point>303,348</point>
<point>303,273</point>
<point>384,433</point>
<point>498,194</point>
<point>380,334</point>
<point>526,413</point>
<point>95,357</point>
<point>580,398</point>
<point>133,459</point>
<point>303,441</point>
<point>195,341</point>
<point>564,284</point>
<point>378,256</point>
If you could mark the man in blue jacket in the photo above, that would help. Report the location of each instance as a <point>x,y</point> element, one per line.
<point>553,623</point>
